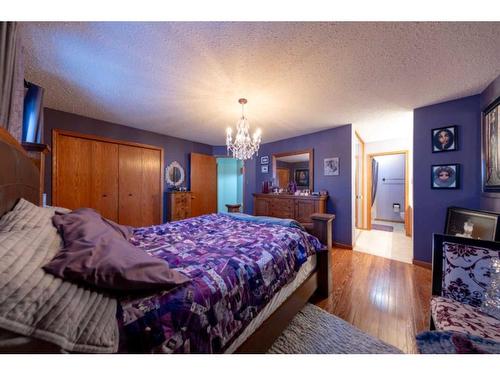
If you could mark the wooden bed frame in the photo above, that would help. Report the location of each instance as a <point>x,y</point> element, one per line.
<point>20,178</point>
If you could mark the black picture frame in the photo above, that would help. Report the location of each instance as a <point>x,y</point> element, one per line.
<point>302,177</point>
<point>264,160</point>
<point>441,184</point>
<point>490,157</point>
<point>452,131</point>
<point>483,225</point>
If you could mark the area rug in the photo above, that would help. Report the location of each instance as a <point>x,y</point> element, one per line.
<point>385,228</point>
<point>315,331</point>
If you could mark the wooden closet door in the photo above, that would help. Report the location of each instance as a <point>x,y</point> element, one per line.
<point>151,186</point>
<point>130,185</point>
<point>72,172</point>
<point>203,184</point>
<point>104,186</point>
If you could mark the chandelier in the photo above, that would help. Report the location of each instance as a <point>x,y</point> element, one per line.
<point>244,146</point>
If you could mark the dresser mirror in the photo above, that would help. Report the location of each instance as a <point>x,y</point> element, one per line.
<point>293,171</point>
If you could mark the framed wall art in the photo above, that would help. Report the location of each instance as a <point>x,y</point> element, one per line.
<point>445,176</point>
<point>331,166</point>
<point>445,139</point>
<point>490,148</point>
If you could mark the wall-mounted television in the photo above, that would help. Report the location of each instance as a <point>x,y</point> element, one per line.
<point>32,113</point>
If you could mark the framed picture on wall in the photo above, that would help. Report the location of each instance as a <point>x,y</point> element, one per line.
<point>264,168</point>
<point>331,166</point>
<point>445,139</point>
<point>264,160</point>
<point>445,176</point>
<point>480,225</point>
<point>490,148</point>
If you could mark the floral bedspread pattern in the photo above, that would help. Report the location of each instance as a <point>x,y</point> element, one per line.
<point>235,268</point>
<point>450,315</point>
<point>466,272</point>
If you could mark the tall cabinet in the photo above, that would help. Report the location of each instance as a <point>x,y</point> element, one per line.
<point>121,180</point>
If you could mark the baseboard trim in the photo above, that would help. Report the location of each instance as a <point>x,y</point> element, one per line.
<point>422,264</point>
<point>342,245</point>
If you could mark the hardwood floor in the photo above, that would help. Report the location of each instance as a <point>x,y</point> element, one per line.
<point>385,298</point>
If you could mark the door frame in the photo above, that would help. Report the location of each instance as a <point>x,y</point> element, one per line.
<point>369,159</point>
<point>359,159</point>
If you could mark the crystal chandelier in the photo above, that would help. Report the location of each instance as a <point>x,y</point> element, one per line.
<point>244,146</point>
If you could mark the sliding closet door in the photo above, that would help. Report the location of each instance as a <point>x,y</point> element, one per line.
<point>139,186</point>
<point>72,172</point>
<point>130,185</point>
<point>104,186</point>
<point>151,186</point>
<point>121,180</point>
<point>203,184</point>
<point>86,175</point>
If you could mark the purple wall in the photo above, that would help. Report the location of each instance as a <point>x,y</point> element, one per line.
<point>490,201</point>
<point>334,142</point>
<point>430,205</point>
<point>174,148</point>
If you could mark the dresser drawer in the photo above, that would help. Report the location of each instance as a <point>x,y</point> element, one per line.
<point>282,208</point>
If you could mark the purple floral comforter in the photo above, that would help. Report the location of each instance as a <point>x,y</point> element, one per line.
<point>235,267</point>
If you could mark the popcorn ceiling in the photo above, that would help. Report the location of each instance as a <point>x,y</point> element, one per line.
<point>184,79</point>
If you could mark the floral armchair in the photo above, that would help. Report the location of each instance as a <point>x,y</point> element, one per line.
<point>460,278</point>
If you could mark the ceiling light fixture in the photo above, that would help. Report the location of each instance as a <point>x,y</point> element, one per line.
<point>244,146</point>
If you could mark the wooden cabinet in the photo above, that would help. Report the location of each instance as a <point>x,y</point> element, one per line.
<point>121,180</point>
<point>179,205</point>
<point>287,206</point>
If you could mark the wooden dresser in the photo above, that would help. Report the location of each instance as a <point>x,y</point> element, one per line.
<point>288,206</point>
<point>179,205</point>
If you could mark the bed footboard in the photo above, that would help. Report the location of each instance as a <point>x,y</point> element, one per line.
<point>322,229</point>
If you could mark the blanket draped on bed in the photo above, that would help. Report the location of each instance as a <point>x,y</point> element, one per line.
<point>235,266</point>
<point>38,305</point>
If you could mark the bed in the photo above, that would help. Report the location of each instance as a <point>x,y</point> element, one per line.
<point>249,276</point>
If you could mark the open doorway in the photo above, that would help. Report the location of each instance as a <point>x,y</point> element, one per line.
<point>388,187</point>
<point>383,213</point>
<point>229,183</point>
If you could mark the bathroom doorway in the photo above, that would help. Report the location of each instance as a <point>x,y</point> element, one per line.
<point>388,188</point>
<point>387,230</point>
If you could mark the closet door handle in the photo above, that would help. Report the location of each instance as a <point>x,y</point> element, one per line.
<point>129,194</point>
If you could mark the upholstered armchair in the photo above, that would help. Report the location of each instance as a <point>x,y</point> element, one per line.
<point>461,275</point>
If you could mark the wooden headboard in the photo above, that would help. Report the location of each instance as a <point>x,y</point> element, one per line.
<point>19,176</point>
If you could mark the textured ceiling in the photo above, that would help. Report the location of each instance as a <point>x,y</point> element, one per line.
<point>184,79</point>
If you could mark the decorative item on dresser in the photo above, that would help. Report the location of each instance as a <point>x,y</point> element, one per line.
<point>121,180</point>
<point>179,205</point>
<point>287,206</point>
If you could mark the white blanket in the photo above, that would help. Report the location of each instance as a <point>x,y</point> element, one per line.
<point>36,304</point>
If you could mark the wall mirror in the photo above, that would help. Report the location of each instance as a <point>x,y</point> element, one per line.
<point>175,174</point>
<point>295,167</point>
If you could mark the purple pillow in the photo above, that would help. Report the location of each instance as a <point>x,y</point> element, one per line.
<point>96,252</point>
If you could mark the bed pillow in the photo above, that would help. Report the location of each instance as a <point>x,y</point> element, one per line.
<point>96,253</point>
